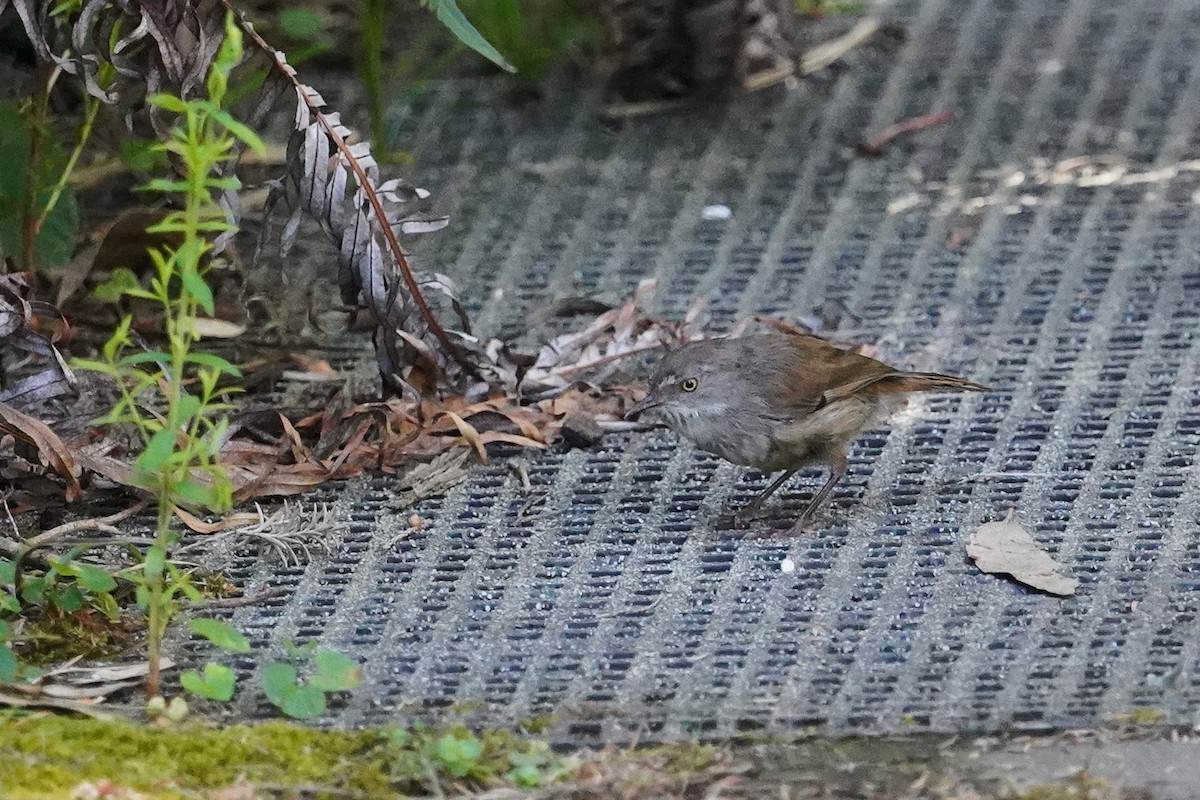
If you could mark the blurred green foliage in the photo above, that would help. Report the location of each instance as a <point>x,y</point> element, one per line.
<point>27,187</point>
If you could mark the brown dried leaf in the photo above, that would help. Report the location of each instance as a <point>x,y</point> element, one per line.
<point>1006,547</point>
<point>272,480</point>
<point>38,434</point>
<point>469,435</point>
<point>19,336</point>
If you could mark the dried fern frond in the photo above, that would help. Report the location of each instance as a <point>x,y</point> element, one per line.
<point>332,176</point>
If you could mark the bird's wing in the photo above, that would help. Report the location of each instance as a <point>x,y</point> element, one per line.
<point>820,373</point>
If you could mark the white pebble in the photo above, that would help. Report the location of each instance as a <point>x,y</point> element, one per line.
<point>717,212</point>
<point>787,566</point>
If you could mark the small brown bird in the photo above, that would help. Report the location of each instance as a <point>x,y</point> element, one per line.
<point>778,401</point>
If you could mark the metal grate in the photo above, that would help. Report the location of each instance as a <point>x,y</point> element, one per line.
<point>610,605</point>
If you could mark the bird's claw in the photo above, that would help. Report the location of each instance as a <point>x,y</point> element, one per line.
<point>739,519</point>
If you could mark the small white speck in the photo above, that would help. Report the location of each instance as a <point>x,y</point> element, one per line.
<point>787,566</point>
<point>498,293</point>
<point>904,203</point>
<point>716,212</point>
<point>1051,66</point>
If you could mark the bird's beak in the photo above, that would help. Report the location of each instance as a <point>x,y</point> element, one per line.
<point>645,404</point>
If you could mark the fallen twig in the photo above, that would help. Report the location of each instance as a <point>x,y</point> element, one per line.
<point>874,148</point>
<point>240,602</point>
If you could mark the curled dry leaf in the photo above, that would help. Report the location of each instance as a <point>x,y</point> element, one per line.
<point>1006,547</point>
<point>36,433</point>
<point>48,375</point>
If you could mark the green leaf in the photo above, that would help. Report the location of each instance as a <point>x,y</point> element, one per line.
<point>33,590</point>
<point>217,683</point>
<point>5,631</point>
<point>335,672</point>
<point>8,571</point>
<point>162,185</point>
<point>215,362</point>
<point>10,668</point>
<point>241,131</point>
<point>453,18</point>
<point>194,493</point>
<point>526,776</point>
<point>94,579</point>
<point>168,102</point>
<point>304,702</point>
<point>157,452</point>
<point>222,635</point>
<point>144,357</point>
<point>122,282</point>
<point>68,598</point>
<point>199,289</point>
<point>277,680</point>
<point>155,563</point>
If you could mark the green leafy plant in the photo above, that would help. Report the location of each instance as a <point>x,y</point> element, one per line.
<point>306,698</point>
<point>12,669</point>
<point>66,608</point>
<point>180,425</point>
<point>38,214</point>
<point>533,33</point>
<point>217,681</point>
<point>474,757</point>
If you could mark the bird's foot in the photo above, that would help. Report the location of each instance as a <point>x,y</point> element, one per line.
<point>742,518</point>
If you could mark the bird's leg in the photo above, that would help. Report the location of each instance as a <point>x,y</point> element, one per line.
<point>739,518</point>
<point>754,505</point>
<point>838,466</point>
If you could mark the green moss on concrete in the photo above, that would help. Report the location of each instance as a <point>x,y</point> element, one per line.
<point>49,756</point>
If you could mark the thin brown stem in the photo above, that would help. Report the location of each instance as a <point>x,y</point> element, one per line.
<point>876,147</point>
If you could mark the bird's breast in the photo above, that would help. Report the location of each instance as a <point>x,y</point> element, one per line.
<point>742,441</point>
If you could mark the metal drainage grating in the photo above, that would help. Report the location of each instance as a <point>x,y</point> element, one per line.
<point>605,602</point>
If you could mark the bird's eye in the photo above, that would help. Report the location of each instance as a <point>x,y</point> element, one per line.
<point>689,385</point>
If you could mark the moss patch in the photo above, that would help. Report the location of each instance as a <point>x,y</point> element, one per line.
<point>44,756</point>
<point>50,756</point>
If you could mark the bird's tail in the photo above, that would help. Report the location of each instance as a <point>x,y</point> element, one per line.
<point>936,382</point>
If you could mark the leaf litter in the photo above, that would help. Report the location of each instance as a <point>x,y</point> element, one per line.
<point>1005,547</point>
